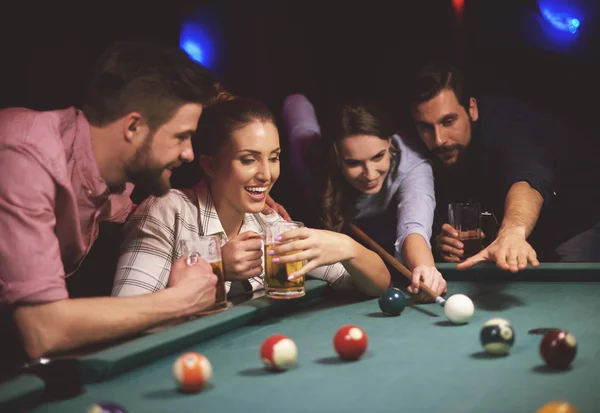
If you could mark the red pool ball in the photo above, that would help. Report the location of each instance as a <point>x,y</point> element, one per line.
<point>558,349</point>
<point>350,342</point>
<point>278,352</point>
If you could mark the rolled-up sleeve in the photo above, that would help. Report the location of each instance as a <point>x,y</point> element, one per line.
<point>416,205</point>
<point>147,251</point>
<point>525,161</point>
<point>335,275</point>
<point>521,144</point>
<point>31,268</point>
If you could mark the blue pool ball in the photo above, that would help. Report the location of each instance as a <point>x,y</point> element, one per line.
<point>497,336</point>
<point>106,408</point>
<point>392,302</point>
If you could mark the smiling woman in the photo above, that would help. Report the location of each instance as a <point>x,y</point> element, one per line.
<point>371,177</point>
<point>240,155</point>
<point>237,147</point>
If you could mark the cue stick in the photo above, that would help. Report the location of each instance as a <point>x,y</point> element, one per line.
<point>386,256</point>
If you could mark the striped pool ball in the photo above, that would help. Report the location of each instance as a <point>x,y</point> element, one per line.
<point>192,371</point>
<point>497,336</point>
<point>107,407</point>
<point>278,352</point>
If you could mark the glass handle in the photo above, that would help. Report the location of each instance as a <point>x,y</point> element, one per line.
<point>490,214</point>
<point>192,256</point>
<point>491,228</point>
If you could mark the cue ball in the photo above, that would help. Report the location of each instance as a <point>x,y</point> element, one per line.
<point>392,301</point>
<point>497,336</point>
<point>557,407</point>
<point>106,408</point>
<point>459,309</point>
<point>350,342</point>
<point>558,349</point>
<point>278,352</point>
<point>192,371</point>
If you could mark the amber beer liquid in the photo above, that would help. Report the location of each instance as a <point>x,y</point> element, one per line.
<point>276,276</point>
<point>471,246</point>
<point>221,296</point>
<point>465,218</point>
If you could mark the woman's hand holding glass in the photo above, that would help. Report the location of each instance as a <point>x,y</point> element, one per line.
<point>315,247</point>
<point>242,256</point>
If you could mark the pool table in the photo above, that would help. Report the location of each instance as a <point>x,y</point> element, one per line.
<point>415,362</point>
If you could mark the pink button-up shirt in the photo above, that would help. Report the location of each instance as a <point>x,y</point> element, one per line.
<point>52,199</point>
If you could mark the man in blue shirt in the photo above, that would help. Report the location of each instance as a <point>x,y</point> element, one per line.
<point>519,163</point>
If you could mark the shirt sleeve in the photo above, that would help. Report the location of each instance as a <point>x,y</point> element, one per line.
<point>31,268</point>
<point>523,141</point>
<point>303,131</point>
<point>416,205</point>
<point>299,117</point>
<point>535,169</point>
<point>148,249</point>
<point>335,275</point>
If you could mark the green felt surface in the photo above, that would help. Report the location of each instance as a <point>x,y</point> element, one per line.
<point>555,271</point>
<point>118,359</point>
<point>417,362</point>
<point>20,392</point>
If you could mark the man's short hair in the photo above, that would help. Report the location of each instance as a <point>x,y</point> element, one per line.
<point>152,79</point>
<point>432,78</point>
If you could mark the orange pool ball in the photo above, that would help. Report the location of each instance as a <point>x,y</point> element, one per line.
<point>557,407</point>
<point>192,371</point>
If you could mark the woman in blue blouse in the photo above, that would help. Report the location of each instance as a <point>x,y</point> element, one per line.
<point>371,177</point>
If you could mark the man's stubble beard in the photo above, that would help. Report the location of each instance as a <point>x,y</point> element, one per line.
<point>144,172</point>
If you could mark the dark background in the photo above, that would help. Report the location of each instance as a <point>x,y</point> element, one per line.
<point>326,49</point>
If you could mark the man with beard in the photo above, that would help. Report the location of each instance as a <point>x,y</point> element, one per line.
<point>527,168</point>
<point>64,171</point>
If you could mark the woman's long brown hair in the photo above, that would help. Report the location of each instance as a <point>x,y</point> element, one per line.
<point>338,196</point>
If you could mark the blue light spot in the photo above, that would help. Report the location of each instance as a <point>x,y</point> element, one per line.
<point>195,40</point>
<point>559,16</point>
<point>193,50</point>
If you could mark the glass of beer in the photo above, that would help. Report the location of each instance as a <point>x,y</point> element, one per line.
<point>209,249</point>
<point>465,218</point>
<point>276,275</point>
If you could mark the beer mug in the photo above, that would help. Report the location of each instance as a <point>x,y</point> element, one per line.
<point>466,219</point>
<point>209,249</point>
<point>276,275</point>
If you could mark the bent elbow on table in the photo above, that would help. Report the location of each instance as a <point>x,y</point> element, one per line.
<point>40,328</point>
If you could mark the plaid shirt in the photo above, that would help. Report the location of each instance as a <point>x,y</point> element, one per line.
<point>153,232</point>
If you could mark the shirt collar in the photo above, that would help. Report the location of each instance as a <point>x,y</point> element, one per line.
<point>85,159</point>
<point>209,219</point>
